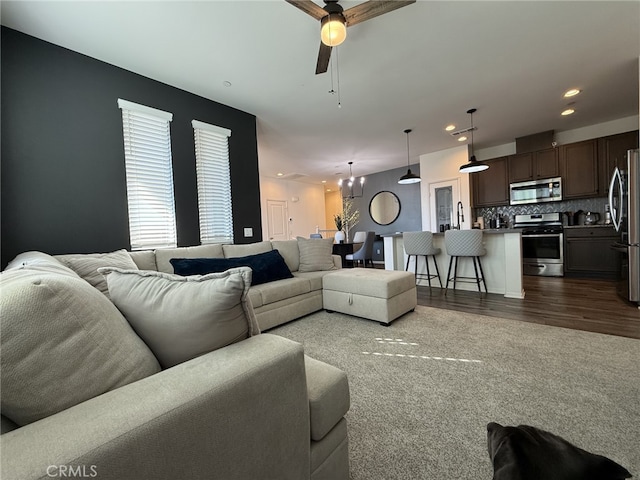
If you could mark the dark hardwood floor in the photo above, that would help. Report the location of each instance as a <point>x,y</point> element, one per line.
<point>581,304</point>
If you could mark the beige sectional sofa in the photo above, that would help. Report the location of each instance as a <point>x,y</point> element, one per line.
<point>83,395</point>
<point>274,303</point>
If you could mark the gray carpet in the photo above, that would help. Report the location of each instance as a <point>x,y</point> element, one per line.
<point>423,389</point>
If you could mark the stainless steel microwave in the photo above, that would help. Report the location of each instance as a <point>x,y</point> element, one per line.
<point>536,191</point>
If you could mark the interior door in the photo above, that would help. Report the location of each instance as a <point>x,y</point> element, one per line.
<point>443,196</point>
<point>277,220</point>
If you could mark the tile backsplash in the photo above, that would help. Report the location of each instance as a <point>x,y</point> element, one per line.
<point>586,205</point>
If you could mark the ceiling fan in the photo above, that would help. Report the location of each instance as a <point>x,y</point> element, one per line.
<point>334,21</point>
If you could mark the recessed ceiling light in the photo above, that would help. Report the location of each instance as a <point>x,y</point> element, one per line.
<point>571,93</point>
<point>279,174</point>
<point>462,139</point>
<point>448,128</point>
<point>324,181</point>
<point>568,111</point>
<point>328,190</point>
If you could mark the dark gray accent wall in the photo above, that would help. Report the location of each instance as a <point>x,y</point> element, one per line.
<point>410,218</point>
<point>63,174</point>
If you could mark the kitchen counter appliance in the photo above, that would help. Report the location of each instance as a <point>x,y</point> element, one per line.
<point>542,244</point>
<point>536,191</point>
<point>624,205</point>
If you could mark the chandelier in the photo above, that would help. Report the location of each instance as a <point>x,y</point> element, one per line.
<point>349,188</point>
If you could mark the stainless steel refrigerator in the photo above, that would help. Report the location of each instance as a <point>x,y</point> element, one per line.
<point>624,204</point>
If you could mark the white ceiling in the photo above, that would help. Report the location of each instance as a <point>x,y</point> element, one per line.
<point>420,67</point>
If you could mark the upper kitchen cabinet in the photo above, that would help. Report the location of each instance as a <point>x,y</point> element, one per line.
<point>534,165</point>
<point>612,153</point>
<point>491,187</point>
<point>579,169</point>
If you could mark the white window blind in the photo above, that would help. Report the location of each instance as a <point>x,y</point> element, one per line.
<point>147,152</point>
<point>214,183</point>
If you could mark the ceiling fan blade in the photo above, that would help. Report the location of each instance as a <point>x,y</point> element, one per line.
<point>323,58</point>
<point>307,6</point>
<point>372,9</point>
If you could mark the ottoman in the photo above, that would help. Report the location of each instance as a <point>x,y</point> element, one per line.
<point>381,295</point>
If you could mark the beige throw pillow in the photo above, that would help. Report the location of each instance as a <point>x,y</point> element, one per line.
<point>86,265</point>
<point>63,342</point>
<point>315,254</point>
<point>180,318</point>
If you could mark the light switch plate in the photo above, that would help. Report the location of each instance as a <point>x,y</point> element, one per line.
<point>248,232</point>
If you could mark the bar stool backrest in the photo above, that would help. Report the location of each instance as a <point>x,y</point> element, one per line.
<point>464,243</point>
<point>419,243</point>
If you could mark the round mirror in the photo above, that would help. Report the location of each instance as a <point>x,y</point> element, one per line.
<point>384,208</point>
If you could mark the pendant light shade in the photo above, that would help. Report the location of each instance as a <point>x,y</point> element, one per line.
<point>409,177</point>
<point>473,165</point>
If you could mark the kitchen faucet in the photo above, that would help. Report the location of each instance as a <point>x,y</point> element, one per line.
<point>459,214</point>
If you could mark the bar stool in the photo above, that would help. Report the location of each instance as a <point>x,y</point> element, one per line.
<point>465,243</point>
<point>420,244</point>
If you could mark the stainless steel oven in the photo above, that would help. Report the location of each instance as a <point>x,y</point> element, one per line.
<point>542,244</point>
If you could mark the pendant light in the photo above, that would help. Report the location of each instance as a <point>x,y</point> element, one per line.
<point>409,177</point>
<point>348,187</point>
<point>473,165</point>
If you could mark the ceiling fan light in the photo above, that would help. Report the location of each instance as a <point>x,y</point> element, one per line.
<point>333,30</point>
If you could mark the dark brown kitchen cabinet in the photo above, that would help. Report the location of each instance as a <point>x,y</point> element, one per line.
<point>579,169</point>
<point>521,167</point>
<point>491,187</point>
<point>588,252</point>
<point>534,165</point>
<point>546,163</point>
<point>612,153</point>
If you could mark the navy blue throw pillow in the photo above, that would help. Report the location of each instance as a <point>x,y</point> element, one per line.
<point>266,267</point>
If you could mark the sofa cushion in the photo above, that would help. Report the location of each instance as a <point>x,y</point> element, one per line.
<point>329,398</point>
<point>279,290</point>
<point>144,259</point>
<point>41,262</point>
<point>314,278</point>
<point>86,265</point>
<point>289,251</point>
<point>528,453</point>
<point>266,267</point>
<point>315,254</point>
<point>63,342</point>
<point>164,255</point>
<point>183,317</point>
<point>242,250</point>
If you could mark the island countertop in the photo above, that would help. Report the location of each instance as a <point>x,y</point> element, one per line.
<point>502,263</point>
<point>488,231</point>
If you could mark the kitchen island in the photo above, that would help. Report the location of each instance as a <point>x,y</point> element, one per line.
<point>502,264</point>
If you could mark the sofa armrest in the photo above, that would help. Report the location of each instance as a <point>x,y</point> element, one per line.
<point>236,413</point>
<point>337,260</point>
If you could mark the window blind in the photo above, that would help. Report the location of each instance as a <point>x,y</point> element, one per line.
<point>214,183</point>
<point>150,197</point>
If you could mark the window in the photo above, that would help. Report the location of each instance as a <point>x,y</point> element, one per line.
<point>214,183</point>
<point>147,153</point>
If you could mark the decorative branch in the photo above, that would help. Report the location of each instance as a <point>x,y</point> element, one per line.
<point>350,215</point>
